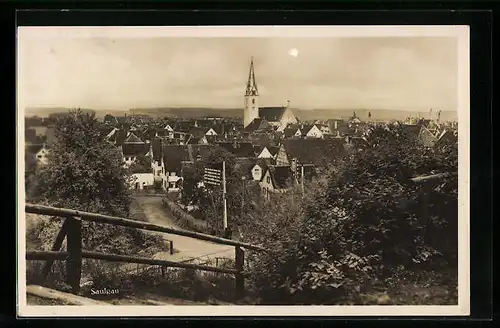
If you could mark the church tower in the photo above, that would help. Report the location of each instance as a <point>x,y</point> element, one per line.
<point>251,110</point>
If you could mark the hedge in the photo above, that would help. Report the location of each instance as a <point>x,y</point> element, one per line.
<point>184,220</point>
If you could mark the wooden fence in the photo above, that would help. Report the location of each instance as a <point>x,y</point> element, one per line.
<point>71,229</point>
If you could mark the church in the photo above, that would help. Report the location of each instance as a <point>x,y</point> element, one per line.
<point>278,117</point>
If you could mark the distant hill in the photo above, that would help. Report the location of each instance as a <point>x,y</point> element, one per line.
<point>302,114</point>
<point>46,111</point>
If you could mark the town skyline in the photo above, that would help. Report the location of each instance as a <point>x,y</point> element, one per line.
<point>105,74</point>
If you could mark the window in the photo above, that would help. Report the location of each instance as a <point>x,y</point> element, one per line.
<point>253,101</point>
<point>39,156</point>
<point>268,179</point>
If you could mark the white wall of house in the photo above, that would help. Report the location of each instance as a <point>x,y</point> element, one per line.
<point>282,157</point>
<point>314,132</point>
<point>265,153</point>
<point>257,172</point>
<point>211,132</point>
<point>266,184</point>
<point>141,180</point>
<point>41,156</point>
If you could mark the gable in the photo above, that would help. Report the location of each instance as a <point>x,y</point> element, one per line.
<point>265,153</point>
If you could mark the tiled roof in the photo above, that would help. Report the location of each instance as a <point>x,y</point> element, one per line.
<point>412,130</point>
<point>33,148</point>
<point>174,155</point>
<point>258,124</point>
<point>156,147</point>
<point>135,149</point>
<point>199,132</point>
<point>239,149</point>
<point>426,137</point>
<point>290,132</point>
<point>447,137</point>
<point>281,176</point>
<point>313,151</point>
<point>271,114</point>
<point>132,138</point>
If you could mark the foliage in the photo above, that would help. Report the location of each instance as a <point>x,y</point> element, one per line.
<point>210,198</point>
<point>358,225</point>
<point>142,164</point>
<point>85,173</point>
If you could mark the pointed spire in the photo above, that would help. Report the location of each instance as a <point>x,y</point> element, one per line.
<point>251,84</point>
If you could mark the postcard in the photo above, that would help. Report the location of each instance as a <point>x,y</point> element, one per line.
<point>243,171</point>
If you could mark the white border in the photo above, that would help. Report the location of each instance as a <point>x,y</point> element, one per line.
<point>460,32</point>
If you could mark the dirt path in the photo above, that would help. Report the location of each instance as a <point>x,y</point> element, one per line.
<point>188,248</point>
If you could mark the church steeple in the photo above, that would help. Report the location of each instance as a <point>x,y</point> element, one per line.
<point>251,84</point>
<point>251,110</point>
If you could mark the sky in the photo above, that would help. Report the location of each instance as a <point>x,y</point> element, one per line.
<point>402,73</point>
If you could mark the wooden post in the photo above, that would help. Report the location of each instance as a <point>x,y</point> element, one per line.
<point>424,207</point>
<point>171,247</point>
<point>226,232</point>
<point>56,247</point>
<point>74,261</point>
<point>240,279</point>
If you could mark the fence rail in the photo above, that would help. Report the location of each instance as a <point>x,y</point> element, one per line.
<point>71,230</point>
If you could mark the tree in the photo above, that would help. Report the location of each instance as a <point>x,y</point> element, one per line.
<point>359,224</point>
<point>85,173</point>
<point>142,164</point>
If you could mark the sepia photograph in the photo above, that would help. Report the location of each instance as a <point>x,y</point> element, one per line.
<point>188,171</point>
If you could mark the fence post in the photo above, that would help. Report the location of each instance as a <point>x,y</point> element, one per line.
<point>240,278</point>
<point>74,261</point>
<point>55,247</point>
<point>171,243</point>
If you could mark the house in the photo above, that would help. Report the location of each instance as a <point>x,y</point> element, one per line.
<point>355,144</point>
<point>37,153</point>
<point>199,132</point>
<point>311,131</point>
<point>341,128</point>
<point>141,181</point>
<point>318,152</point>
<point>168,128</point>
<point>267,152</point>
<point>260,167</point>
<point>30,136</point>
<point>175,158</point>
<point>291,132</point>
<point>278,117</point>
<point>198,141</point>
<point>446,138</point>
<point>238,149</point>
<point>111,135</point>
<point>258,124</point>
<point>134,147</point>
<point>426,137</point>
<point>276,179</point>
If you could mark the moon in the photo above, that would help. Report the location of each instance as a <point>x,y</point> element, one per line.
<point>293,52</point>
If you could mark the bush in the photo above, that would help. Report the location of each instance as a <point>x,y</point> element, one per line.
<point>185,220</point>
<point>357,228</point>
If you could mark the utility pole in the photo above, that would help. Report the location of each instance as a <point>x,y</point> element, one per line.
<point>302,179</point>
<point>226,230</point>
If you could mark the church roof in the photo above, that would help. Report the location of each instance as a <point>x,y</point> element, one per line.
<point>272,114</point>
<point>257,124</point>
